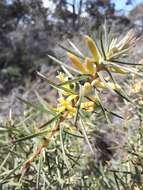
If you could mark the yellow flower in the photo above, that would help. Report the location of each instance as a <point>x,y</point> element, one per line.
<point>63,102</point>
<point>136,188</point>
<point>99,84</point>
<point>71,109</point>
<point>140,102</point>
<point>61,77</point>
<point>87,106</point>
<point>137,87</point>
<point>66,105</point>
<point>70,104</point>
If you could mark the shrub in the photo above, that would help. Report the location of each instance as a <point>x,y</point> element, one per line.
<point>62,152</point>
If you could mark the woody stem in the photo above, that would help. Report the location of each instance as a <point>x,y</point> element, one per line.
<point>44,142</point>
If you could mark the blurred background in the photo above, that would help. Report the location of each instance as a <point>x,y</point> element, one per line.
<point>32,29</point>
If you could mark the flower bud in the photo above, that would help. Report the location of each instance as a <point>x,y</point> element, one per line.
<point>76,62</point>
<point>86,87</point>
<point>89,66</point>
<point>92,47</point>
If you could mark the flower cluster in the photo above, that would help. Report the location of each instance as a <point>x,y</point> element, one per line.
<point>98,69</point>
<point>69,102</point>
<point>80,85</point>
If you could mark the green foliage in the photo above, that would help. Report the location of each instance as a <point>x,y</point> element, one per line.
<point>76,143</point>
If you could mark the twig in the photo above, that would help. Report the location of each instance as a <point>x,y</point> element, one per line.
<point>44,142</point>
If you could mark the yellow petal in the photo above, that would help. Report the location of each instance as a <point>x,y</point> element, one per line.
<point>71,109</point>
<point>61,77</point>
<point>89,66</point>
<point>63,102</point>
<point>92,47</point>
<point>86,87</point>
<point>137,87</point>
<point>74,59</point>
<point>60,109</point>
<point>98,83</point>
<point>136,188</point>
<point>71,97</point>
<point>87,106</point>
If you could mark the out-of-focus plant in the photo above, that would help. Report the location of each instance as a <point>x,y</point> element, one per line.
<point>58,144</point>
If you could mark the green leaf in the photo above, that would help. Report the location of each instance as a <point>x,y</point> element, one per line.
<point>132,70</point>
<point>39,133</point>
<point>73,52</point>
<point>102,46</point>
<point>10,173</point>
<point>55,85</point>
<point>44,104</point>
<point>113,113</point>
<point>6,158</point>
<point>78,79</point>
<point>123,95</point>
<point>39,171</point>
<point>28,103</point>
<point>125,63</point>
<point>102,107</point>
<point>85,136</point>
<point>76,49</point>
<point>62,147</point>
<point>63,64</point>
<point>78,106</point>
<point>74,135</point>
<point>106,83</point>
<point>50,121</point>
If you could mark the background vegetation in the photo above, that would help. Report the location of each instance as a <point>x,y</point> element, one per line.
<point>30,32</point>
